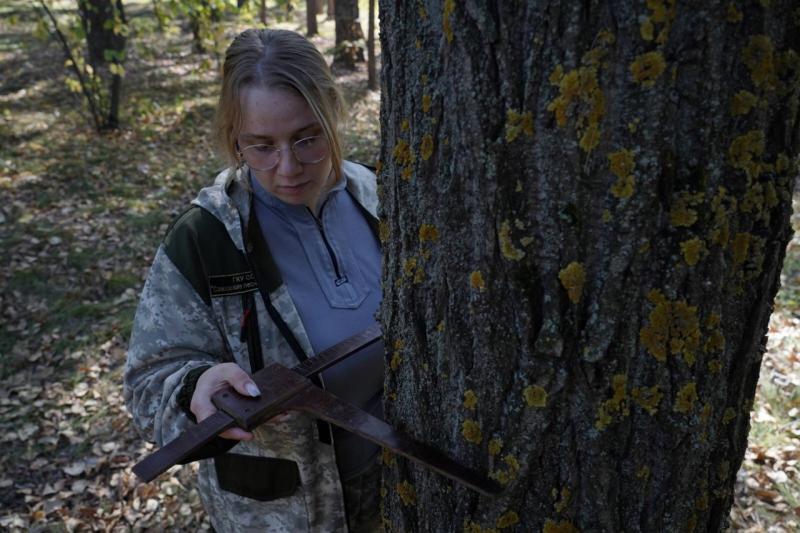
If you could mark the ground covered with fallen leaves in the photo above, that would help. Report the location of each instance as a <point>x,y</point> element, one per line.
<point>80,219</point>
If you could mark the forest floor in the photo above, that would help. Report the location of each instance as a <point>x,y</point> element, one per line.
<point>80,220</point>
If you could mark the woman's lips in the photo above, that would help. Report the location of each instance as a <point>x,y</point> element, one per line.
<point>293,188</point>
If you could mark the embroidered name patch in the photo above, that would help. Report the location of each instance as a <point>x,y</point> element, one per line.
<point>227,284</point>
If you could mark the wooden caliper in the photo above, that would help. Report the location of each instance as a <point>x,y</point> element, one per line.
<point>284,389</point>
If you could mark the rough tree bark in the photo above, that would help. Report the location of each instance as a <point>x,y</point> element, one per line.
<point>349,35</point>
<point>585,208</point>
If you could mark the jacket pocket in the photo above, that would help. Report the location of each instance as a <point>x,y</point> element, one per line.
<point>260,478</point>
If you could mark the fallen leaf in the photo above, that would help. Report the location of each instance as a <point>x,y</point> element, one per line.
<point>75,469</point>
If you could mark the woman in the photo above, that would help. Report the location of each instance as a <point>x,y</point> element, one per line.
<point>276,261</point>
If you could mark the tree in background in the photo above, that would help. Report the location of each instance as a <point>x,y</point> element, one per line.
<point>585,209</point>
<point>97,62</point>
<point>349,35</point>
<point>312,9</point>
<point>372,75</point>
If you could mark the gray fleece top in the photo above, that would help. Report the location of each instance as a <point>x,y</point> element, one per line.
<point>331,265</point>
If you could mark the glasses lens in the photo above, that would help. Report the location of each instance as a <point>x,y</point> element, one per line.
<point>311,149</point>
<point>261,156</point>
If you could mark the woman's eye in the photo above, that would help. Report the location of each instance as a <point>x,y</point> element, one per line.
<point>264,148</point>
<point>307,142</point>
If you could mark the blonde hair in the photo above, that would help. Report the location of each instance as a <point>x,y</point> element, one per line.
<point>277,59</point>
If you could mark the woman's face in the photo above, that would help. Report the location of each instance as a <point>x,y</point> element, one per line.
<point>281,117</point>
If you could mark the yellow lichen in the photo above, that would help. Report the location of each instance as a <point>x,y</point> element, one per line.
<point>743,102</point>
<point>733,15</point>
<point>684,401</point>
<point>471,431</point>
<point>387,457</point>
<point>394,364</point>
<point>745,151</point>
<point>646,29</point>
<point>648,398</point>
<point>573,278</point>
<point>606,216</point>
<point>563,501</point>
<point>562,526</point>
<point>470,399</point>
<point>419,275</point>
<point>510,518</point>
<point>728,415</point>
<point>535,396</point>
<point>476,281</point>
<point>495,445</point>
<point>383,231</point>
<point>715,366</point>
<point>406,173</point>
<point>682,213</point>
<point>721,227</point>
<point>590,138</point>
<point>580,90</point>
<point>507,247</point>
<point>512,462</point>
<point>517,123</point>
<point>759,56</point>
<point>426,147</point>
<point>428,232</point>
<point>501,476</point>
<point>472,527</point>
<point>426,103</point>
<point>692,250</point>
<point>715,343</point>
<point>556,76</point>
<point>643,472</point>
<point>409,266</point>
<point>673,328</point>
<point>617,404</point>
<point>648,67</point>
<point>706,412</point>
<point>622,164</point>
<point>440,326</point>
<point>740,247</point>
<point>405,125</point>
<point>407,493</point>
<point>402,153</point>
<point>447,24</point>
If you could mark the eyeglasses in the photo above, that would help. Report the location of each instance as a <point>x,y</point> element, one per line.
<point>267,156</point>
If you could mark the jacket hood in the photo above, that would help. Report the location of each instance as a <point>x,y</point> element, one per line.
<point>229,198</point>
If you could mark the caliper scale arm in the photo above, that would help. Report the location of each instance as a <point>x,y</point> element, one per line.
<point>283,389</point>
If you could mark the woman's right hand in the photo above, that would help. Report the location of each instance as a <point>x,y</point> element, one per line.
<point>215,379</point>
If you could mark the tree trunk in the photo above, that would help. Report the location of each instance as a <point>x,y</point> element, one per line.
<point>372,75</point>
<point>585,208</point>
<point>331,9</point>
<point>349,35</point>
<point>311,17</point>
<point>103,22</point>
<point>262,12</point>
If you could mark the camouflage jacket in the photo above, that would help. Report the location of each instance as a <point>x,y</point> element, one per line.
<point>191,315</point>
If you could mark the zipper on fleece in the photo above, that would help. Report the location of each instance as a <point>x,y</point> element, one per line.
<point>340,279</point>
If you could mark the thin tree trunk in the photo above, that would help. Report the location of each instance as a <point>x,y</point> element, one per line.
<point>262,12</point>
<point>331,9</point>
<point>372,76</point>
<point>585,208</point>
<point>349,35</point>
<point>311,17</point>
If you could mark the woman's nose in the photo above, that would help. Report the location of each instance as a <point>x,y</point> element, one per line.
<point>288,165</point>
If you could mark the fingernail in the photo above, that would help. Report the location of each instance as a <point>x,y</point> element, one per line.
<point>252,390</point>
